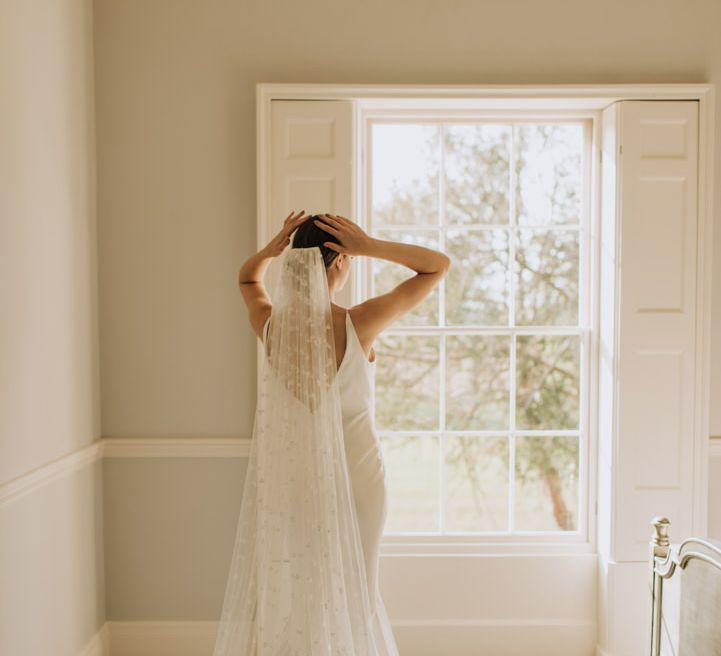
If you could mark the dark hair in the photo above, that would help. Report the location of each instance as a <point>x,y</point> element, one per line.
<point>308,234</point>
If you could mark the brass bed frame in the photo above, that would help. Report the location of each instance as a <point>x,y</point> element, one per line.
<point>686,595</point>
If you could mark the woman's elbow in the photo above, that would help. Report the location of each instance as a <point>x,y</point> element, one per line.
<point>445,263</point>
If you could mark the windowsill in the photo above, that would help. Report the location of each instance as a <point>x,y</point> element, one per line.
<point>441,545</point>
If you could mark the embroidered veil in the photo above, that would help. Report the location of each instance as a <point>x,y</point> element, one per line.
<point>297,582</point>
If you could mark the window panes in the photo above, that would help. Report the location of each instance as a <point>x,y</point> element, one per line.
<point>476,482</point>
<point>412,482</point>
<point>479,389</point>
<point>405,174</point>
<point>477,382</point>
<point>548,173</point>
<point>407,385</point>
<point>546,490</point>
<point>547,277</point>
<point>386,275</point>
<point>477,283</point>
<point>477,173</point>
<point>547,378</point>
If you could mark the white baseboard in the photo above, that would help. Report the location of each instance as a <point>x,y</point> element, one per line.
<point>162,638</point>
<point>422,638</point>
<point>601,652</point>
<point>99,644</point>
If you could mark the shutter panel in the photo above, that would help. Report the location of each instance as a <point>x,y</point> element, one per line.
<point>647,377</point>
<point>311,165</point>
<point>658,182</point>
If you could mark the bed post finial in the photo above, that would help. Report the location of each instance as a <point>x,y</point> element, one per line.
<point>660,543</point>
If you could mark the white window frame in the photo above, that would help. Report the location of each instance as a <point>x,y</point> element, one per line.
<point>588,319</point>
<point>471,101</point>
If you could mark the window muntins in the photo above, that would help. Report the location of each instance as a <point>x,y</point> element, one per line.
<point>481,391</point>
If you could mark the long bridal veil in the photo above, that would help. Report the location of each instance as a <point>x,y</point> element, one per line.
<point>297,583</point>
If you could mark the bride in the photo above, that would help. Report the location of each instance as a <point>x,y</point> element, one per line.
<point>303,577</point>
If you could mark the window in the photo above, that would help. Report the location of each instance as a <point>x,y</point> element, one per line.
<point>642,332</point>
<point>481,391</point>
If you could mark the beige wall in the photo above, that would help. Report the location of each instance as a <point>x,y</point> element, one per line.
<point>51,553</point>
<point>176,134</point>
<point>176,143</point>
<point>169,535</point>
<point>49,402</point>
<point>52,590</point>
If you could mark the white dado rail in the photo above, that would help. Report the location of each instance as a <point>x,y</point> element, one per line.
<point>124,447</point>
<point>154,447</point>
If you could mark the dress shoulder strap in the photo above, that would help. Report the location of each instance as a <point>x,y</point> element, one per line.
<point>350,328</point>
<point>351,334</point>
<point>348,331</point>
<point>266,325</point>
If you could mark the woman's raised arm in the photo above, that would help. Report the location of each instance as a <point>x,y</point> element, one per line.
<point>250,276</point>
<point>371,316</point>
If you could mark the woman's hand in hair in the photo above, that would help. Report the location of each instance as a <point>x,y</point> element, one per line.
<point>280,242</point>
<point>353,240</point>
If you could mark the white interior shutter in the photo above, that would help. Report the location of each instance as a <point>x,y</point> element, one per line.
<point>656,305</point>
<point>311,165</point>
<point>647,384</point>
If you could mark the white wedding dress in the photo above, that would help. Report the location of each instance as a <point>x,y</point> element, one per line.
<point>367,473</point>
